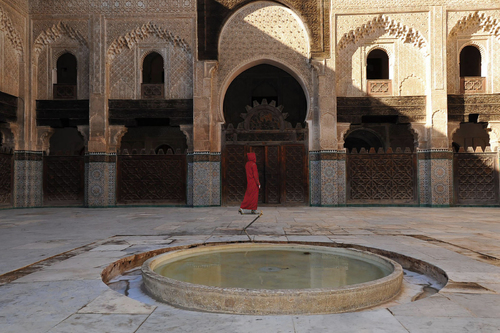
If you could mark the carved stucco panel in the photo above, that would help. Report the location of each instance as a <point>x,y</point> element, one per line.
<point>10,75</point>
<point>480,29</point>
<point>263,32</point>
<point>405,45</point>
<point>12,24</point>
<point>113,8</point>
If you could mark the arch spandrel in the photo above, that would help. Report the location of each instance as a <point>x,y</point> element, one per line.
<point>214,14</point>
<point>263,33</point>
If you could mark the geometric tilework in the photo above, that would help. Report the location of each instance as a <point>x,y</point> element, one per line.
<point>206,183</point>
<point>435,182</point>
<point>28,179</point>
<point>315,182</point>
<point>333,182</point>
<point>441,171</point>
<point>327,180</point>
<point>424,175</point>
<point>189,194</point>
<point>100,183</point>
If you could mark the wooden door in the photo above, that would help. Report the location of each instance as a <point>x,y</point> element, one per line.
<point>283,174</point>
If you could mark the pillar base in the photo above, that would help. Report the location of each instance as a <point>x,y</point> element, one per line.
<point>28,178</point>
<point>100,180</point>
<point>328,178</point>
<point>206,179</point>
<point>435,171</point>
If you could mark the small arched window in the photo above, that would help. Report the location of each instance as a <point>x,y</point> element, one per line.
<point>471,81</point>
<point>153,77</point>
<point>377,65</point>
<point>152,69</point>
<point>65,87</point>
<point>470,61</point>
<point>66,69</point>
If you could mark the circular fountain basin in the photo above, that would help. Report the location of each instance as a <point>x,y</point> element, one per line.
<point>272,279</point>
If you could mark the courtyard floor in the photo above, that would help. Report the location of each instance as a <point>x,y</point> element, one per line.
<point>51,260</point>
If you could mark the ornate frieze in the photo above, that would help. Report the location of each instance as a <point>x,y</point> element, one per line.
<point>407,108</point>
<point>55,32</point>
<point>133,37</point>
<point>406,34</point>
<point>486,105</point>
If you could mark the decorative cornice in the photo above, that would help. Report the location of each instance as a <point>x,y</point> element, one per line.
<point>133,37</point>
<point>11,32</point>
<point>486,23</point>
<point>56,31</point>
<point>406,34</point>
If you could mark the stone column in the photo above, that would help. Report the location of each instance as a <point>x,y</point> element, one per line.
<point>188,132</point>
<point>28,170</point>
<point>327,162</point>
<point>436,160</point>
<point>100,158</point>
<point>205,163</point>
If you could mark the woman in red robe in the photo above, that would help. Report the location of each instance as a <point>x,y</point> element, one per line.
<point>253,185</point>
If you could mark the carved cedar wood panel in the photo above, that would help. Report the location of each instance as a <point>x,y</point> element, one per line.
<point>63,180</point>
<point>151,179</point>
<point>5,178</point>
<point>282,174</point>
<point>381,178</point>
<point>476,178</point>
<point>234,177</point>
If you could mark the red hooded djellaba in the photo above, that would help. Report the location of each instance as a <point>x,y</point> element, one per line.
<point>252,193</point>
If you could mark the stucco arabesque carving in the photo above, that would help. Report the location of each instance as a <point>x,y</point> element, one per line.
<point>342,129</point>
<point>116,133</point>
<point>133,37</point>
<point>486,23</point>
<point>53,33</point>
<point>44,133</point>
<point>11,32</point>
<point>494,133</point>
<point>401,31</point>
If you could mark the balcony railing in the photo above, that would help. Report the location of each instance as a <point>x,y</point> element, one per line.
<point>64,91</point>
<point>152,91</point>
<point>472,85</point>
<point>379,87</point>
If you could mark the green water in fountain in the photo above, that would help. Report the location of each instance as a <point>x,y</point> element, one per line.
<point>268,268</point>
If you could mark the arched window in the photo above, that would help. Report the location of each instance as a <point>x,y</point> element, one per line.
<point>377,65</point>
<point>65,87</point>
<point>152,69</point>
<point>377,73</point>
<point>471,81</point>
<point>470,61</point>
<point>153,76</point>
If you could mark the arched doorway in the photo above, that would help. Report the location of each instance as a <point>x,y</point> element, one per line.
<point>265,109</point>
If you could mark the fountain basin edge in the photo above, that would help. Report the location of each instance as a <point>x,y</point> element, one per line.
<point>271,302</point>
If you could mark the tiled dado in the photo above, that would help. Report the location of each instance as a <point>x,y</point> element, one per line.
<point>28,179</point>
<point>100,180</point>
<point>206,181</point>
<point>327,174</point>
<point>435,170</point>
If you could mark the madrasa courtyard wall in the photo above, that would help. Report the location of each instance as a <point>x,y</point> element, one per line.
<point>205,45</point>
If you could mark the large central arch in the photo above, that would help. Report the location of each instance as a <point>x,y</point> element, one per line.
<point>265,110</point>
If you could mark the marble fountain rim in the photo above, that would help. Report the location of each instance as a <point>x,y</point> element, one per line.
<point>277,301</point>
